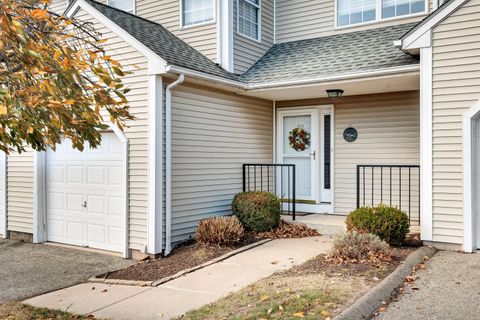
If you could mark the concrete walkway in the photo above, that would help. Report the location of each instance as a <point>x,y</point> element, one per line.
<point>189,292</point>
<point>449,288</point>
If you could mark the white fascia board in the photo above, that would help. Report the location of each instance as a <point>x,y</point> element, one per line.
<point>156,64</point>
<point>426,150</point>
<point>367,74</point>
<point>413,41</point>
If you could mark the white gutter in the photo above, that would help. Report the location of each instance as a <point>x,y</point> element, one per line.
<point>168,164</point>
<point>279,84</point>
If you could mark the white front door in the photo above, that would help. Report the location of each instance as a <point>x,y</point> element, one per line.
<point>304,139</point>
<point>298,145</point>
<point>86,195</point>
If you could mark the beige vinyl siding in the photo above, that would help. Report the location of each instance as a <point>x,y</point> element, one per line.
<point>456,87</point>
<point>247,51</point>
<point>304,19</point>
<point>137,132</point>
<point>59,6</point>
<point>167,13</point>
<point>213,134</point>
<point>388,127</point>
<point>20,187</point>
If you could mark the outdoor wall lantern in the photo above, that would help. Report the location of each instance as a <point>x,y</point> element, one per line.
<point>335,93</point>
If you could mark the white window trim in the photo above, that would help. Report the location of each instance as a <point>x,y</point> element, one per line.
<point>134,6</point>
<point>259,22</point>
<point>378,16</point>
<point>214,21</point>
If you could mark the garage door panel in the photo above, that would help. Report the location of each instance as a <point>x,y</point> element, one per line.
<point>86,195</point>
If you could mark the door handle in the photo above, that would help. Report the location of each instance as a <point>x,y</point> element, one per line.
<point>313,154</point>
<point>84,204</point>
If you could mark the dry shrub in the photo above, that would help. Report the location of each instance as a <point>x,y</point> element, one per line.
<point>290,230</point>
<point>220,231</point>
<point>359,247</point>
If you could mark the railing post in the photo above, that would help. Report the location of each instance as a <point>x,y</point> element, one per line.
<point>244,178</point>
<point>358,186</point>
<point>294,192</point>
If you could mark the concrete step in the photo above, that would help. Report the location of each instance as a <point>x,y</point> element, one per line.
<point>325,224</point>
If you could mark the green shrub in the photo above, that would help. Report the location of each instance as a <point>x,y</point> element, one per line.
<point>220,231</point>
<point>389,223</point>
<point>257,211</point>
<point>355,246</point>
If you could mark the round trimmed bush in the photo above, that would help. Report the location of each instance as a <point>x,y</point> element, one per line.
<point>257,211</point>
<point>388,223</point>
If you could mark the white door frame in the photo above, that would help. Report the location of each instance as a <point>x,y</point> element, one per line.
<point>278,126</point>
<point>3,195</point>
<point>40,212</point>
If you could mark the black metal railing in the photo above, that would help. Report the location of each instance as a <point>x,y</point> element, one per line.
<point>278,179</point>
<point>394,185</point>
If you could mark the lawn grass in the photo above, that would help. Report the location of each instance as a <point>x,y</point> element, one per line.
<point>20,311</point>
<point>286,296</point>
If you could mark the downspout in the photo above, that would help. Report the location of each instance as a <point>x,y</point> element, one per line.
<point>168,160</point>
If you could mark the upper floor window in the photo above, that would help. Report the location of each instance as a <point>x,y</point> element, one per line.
<point>125,5</point>
<point>248,18</point>
<point>197,11</point>
<point>396,8</point>
<point>351,12</point>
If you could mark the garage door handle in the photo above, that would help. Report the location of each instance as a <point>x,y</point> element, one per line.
<point>84,204</point>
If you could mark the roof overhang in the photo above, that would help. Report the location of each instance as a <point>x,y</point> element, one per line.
<point>421,36</point>
<point>404,79</point>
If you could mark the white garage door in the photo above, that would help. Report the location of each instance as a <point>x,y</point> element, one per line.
<point>86,195</point>
<point>3,198</point>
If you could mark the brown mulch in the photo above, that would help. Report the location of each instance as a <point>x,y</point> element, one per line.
<point>182,258</point>
<point>332,268</point>
<point>289,230</point>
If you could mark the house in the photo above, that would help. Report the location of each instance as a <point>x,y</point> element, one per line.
<point>372,101</point>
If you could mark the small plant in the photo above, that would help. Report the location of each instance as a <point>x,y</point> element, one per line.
<point>258,211</point>
<point>220,231</point>
<point>389,223</point>
<point>356,247</point>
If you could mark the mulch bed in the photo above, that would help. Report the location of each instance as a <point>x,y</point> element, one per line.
<point>184,257</point>
<point>193,254</point>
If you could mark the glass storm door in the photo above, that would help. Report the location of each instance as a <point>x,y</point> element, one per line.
<point>297,143</point>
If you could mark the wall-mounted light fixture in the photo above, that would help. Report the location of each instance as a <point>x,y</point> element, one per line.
<point>334,93</point>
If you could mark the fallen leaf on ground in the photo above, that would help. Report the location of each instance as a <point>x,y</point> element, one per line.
<point>274,262</point>
<point>300,314</point>
<point>264,297</point>
<point>411,278</point>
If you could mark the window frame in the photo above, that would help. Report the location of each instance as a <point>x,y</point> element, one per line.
<point>259,20</point>
<point>378,15</point>
<point>134,11</point>
<point>213,21</point>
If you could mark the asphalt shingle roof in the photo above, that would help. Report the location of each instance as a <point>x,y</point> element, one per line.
<point>161,41</point>
<point>359,51</point>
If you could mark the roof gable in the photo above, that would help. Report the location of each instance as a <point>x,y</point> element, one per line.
<point>420,35</point>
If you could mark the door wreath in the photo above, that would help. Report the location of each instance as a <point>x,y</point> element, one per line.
<point>299,139</point>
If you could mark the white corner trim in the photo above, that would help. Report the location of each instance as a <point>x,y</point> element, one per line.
<point>469,160</point>
<point>410,42</point>
<point>155,62</point>
<point>155,165</point>
<point>225,39</point>
<point>3,195</point>
<point>39,227</point>
<point>426,150</point>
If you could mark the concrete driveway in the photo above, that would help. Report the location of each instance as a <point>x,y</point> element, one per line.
<point>28,270</point>
<point>449,288</point>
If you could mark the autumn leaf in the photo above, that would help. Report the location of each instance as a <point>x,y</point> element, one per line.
<point>300,314</point>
